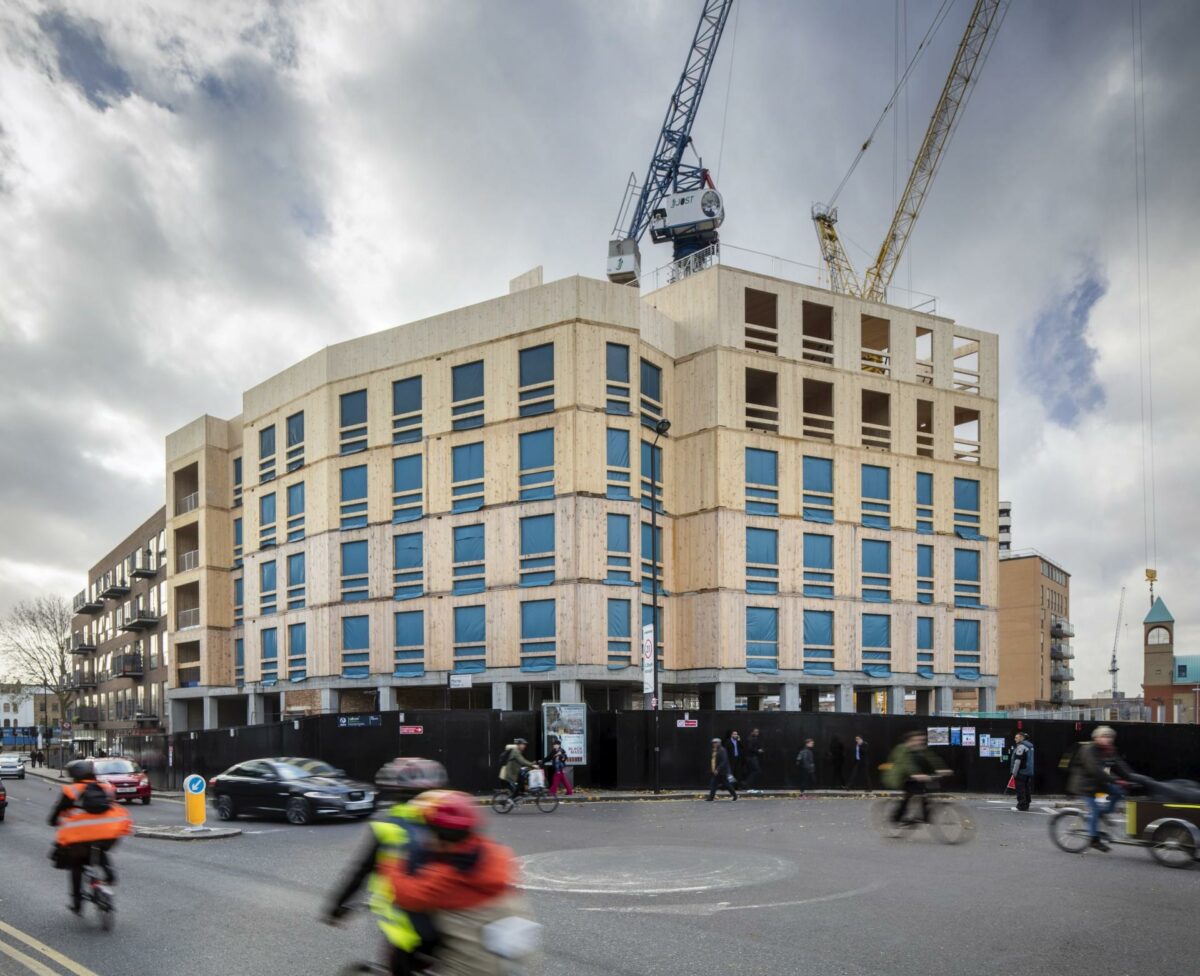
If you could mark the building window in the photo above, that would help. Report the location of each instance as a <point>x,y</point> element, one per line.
<point>924,502</point>
<point>237,482</point>
<point>1158,635</point>
<point>406,411</point>
<point>294,428</point>
<point>237,543</point>
<point>470,639</point>
<point>620,559</point>
<point>966,508</point>
<point>876,497</point>
<point>538,636</point>
<point>651,568</point>
<point>616,361</point>
<point>762,560</point>
<point>410,644</point>
<point>876,571</point>
<point>652,394</point>
<point>466,384</point>
<point>1181,671</point>
<point>816,326</point>
<point>762,321</point>
<point>468,567</point>
<point>407,498</point>
<point>408,566</point>
<point>925,427</point>
<point>762,639</point>
<point>239,599</point>
<point>925,647</point>
<point>266,454</point>
<point>619,473</point>
<point>269,659</point>
<point>876,420</point>
<point>239,661</point>
<point>537,550</point>
<point>466,488</point>
<point>295,512</point>
<point>877,644</point>
<point>295,590</point>
<point>620,635</point>
<point>925,574</point>
<point>966,649</point>
<point>267,586</point>
<point>966,578</point>
<point>762,400</point>
<point>818,410</point>
<point>297,652</point>
<point>536,378</point>
<point>762,482</point>
<point>356,647</point>
<point>355,571</point>
<point>818,566</point>
<point>536,450</point>
<point>352,422</point>
<point>266,520</point>
<point>354,497</point>
<point>818,490</point>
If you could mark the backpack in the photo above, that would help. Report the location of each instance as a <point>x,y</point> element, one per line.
<point>503,760</point>
<point>94,799</point>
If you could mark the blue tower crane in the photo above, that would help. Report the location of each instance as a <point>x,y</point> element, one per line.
<point>677,201</point>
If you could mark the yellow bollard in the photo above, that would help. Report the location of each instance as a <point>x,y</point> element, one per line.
<point>194,807</point>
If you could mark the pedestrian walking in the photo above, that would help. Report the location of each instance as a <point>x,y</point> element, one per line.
<point>862,764</point>
<point>557,761</point>
<point>720,773</point>
<point>752,762</point>
<point>1022,770</point>
<point>807,762</point>
<point>737,754</point>
<point>837,762</point>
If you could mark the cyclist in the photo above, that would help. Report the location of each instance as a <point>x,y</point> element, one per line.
<point>90,823</point>
<point>400,836</point>
<point>912,766</point>
<point>515,768</point>
<point>1100,770</point>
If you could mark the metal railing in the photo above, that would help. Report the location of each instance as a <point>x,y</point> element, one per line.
<point>187,560</point>
<point>185,619</point>
<point>127,665</point>
<point>187,503</point>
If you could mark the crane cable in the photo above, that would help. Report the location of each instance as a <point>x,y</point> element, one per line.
<point>728,88</point>
<point>938,19</point>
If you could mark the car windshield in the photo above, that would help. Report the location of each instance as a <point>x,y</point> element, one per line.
<point>115,767</point>
<point>299,770</point>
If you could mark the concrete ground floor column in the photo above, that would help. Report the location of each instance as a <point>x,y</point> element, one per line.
<point>843,698</point>
<point>210,712</point>
<point>725,693</point>
<point>570,691</point>
<point>789,698</point>
<point>387,698</point>
<point>943,701</point>
<point>895,700</point>
<point>179,714</point>
<point>987,699</point>
<point>255,714</point>
<point>329,700</point>
<point>502,696</point>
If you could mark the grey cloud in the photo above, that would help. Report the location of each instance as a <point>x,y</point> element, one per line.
<point>1062,361</point>
<point>84,59</point>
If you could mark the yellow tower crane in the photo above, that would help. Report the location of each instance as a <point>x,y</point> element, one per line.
<point>972,52</point>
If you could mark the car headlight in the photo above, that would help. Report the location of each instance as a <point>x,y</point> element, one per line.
<point>318,795</point>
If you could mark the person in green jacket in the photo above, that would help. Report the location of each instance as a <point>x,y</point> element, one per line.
<point>912,766</point>
<point>513,770</point>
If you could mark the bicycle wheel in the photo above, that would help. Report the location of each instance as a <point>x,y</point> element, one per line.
<point>950,823</point>
<point>882,811</point>
<point>546,802</point>
<point>502,801</point>
<point>1068,830</point>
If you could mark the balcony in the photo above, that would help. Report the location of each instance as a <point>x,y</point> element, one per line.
<point>85,715</point>
<point>187,503</point>
<point>1062,629</point>
<point>187,561</point>
<point>144,565</point>
<point>82,644</point>
<point>146,720</point>
<point>81,681</point>
<point>140,618</point>
<point>84,603</point>
<point>1061,652</point>
<point>1058,696</point>
<point>1062,674</point>
<point>127,666</point>
<point>115,587</point>
<point>186,619</point>
<point>126,711</point>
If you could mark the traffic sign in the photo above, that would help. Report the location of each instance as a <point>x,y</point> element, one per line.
<point>686,723</point>
<point>412,730</point>
<point>194,808</point>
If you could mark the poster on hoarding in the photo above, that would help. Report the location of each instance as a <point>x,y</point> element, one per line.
<point>938,735</point>
<point>968,734</point>
<point>956,737</point>
<point>648,659</point>
<point>566,724</point>
<point>991,748</point>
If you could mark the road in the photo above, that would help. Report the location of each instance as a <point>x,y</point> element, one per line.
<point>763,886</point>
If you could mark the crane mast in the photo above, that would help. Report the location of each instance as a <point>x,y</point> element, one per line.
<point>676,201</point>
<point>1112,668</point>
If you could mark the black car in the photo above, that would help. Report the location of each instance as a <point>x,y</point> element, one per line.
<point>300,789</point>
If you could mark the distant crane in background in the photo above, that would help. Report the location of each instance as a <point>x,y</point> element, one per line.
<point>973,50</point>
<point>677,201</point>
<point>1112,668</point>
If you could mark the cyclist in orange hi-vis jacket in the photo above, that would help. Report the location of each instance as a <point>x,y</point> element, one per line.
<point>89,823</point>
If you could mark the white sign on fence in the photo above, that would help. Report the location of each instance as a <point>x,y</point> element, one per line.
<point>648,659</point>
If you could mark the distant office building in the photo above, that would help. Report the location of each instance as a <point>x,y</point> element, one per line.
<point>1035,632</point>
<point>1171,682</point>
<point>1005,535</point>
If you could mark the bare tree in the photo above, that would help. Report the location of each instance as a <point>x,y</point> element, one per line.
<point>35,645</point>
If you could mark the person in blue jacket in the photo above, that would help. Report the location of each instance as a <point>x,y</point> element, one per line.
<point>1022,770</point>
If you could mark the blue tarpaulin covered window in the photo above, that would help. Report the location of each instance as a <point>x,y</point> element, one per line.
<point>466,489</point>
<point>619,474</point>
<point>295,512</point>
<point>925,574</point>
<point>406,411</point>
<point>237,541</point>
<point>924,502</point>
<point>239,590</point>
<point>616,358</point>
<point>652,394</point>
<point>966,508</point>
<point>966,673</point>
<point>966,635</point>
<point>239,662</point>
<point>538,633</point>
<point>355,573</point>
<point>267,596</point>
<point>407,489</point>
<point>762,639</point>
<point>409,653</point>
<point>269,662</point>
<point>466,383</point>
<point>966,578</point>
<point>537,464</point>
<point>652,466</point>
<point>352,434</point>
<point>652,568</point>
<point>876,630</point>
<point>818,565</point>
<point>537,550</point>
<point>266,520</point>
<point>294,431</point>
<point>356,647</point>
<point>354,497</point>
<point>468,559</point>
<point>818,490</point>
<point>762,560</point>
<point>925,636</point>
<point>876,571</point>
<point>297,652</point>
<point>536,377</point>
<point>762,482</point>
<point>408,565</point>
<point>295,580</point>
<point>876,497</point>
<point>818,641</point>
<point>470,639</point>
<point>620,635</point>
<point>620,559</point>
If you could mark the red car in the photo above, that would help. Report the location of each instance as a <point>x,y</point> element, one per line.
<point>3,799</point>
<point>124,776</point>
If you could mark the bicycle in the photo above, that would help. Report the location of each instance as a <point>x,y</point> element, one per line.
<point>504,801</point>
<point>100,894</point>
<point>948,822</point>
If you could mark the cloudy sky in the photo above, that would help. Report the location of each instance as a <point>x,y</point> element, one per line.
<point>194,196</point>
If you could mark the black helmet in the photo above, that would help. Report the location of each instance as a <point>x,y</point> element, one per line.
<point>520,742</point>
<point>81,769</point>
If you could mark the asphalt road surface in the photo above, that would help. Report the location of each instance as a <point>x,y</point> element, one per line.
<point>763,886</point>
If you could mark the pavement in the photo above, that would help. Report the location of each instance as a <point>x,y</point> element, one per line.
<point>773,886</point>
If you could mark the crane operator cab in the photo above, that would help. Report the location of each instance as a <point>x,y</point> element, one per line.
<point>688,219</point>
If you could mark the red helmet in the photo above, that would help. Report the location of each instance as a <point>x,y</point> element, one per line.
<point>448,810</point>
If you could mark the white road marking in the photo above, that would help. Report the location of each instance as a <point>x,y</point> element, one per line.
<point>725,906</point>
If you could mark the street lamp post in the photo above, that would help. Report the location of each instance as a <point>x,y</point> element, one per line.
<point>659,430</point>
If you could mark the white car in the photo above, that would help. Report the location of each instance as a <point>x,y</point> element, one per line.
<point>12,766</point>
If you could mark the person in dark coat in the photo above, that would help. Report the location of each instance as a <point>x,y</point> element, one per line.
<point>737,753</point>
<point>860,752</point>
<point>720,772</point>
<point>752,765</point>
<point>837,762</point>
<point>1022,770</point>
<point>806,760</point>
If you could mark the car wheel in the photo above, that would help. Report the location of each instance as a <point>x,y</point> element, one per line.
<point>298,811</point>
<point>145,801</point>
<point>226,809</point>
